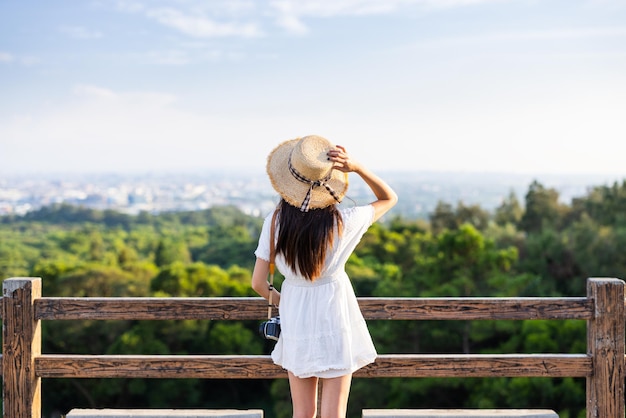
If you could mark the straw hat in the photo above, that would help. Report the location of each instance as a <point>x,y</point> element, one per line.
<point>301,173</point>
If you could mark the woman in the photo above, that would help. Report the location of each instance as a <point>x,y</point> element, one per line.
<point>323,333</point>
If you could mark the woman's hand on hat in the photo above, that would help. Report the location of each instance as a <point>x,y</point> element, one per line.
<point>342,161</point>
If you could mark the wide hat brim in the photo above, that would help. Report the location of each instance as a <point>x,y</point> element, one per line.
<point>294,191</point>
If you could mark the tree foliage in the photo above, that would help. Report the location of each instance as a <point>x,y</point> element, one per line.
<point>538,247</point>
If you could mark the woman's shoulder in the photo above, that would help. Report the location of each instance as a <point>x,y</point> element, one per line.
<point>363,212</point>
<point>356,208</point>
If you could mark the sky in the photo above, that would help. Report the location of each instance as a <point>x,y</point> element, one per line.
<point>516,86</point>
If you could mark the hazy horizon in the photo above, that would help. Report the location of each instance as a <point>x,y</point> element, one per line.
<point>404,175</point>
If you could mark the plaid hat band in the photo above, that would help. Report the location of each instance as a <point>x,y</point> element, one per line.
<point>312,184</point>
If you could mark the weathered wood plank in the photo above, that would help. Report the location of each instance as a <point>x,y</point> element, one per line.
<point>156,366</point>
<point>479,365</point>
<point>21,343</point>
<point>262,367</point>
<point>605,344</point>
<point>256,308</point>
<point>476,308</point>
<point>151,308</point>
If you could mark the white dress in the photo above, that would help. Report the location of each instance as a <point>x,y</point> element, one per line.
<point>323,332</point>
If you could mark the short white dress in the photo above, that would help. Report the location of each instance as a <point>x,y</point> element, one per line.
<point>323,332</point>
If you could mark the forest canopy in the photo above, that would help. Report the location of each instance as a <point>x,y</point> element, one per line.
<point>540,246</point>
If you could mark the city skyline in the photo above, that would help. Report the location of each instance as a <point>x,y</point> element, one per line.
<point>493,86</point>
<point>419,192</point>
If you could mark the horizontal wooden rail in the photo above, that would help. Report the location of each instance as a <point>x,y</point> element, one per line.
<point>256,308</point>
<point>49,365</point>
<point>23,365</point>
<point>262,367</point>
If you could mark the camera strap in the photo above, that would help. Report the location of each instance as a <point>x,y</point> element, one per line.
<point>272,264</point>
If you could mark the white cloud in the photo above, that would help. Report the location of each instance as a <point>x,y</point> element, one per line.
<point>101,129</point>
<point>25,60</point>
<point>184,54</point>
<point>553,34</point>
<point>198,18</point>
<point>290,13</point>
<point>292,24</point>
<point>89,91</point>
<point>171,57</point>
<point>29,60</point>
<point>457,3</point>
<point>223,18</point>
<point>80,32</point>
<point>104,97</point>
<point>200,26</point>
<point>130,6</point>
<point>329,8</point>
<point>105,130</point>
<point>6,57</point>
<point>507,38</point>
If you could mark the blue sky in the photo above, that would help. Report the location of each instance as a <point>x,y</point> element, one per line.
<point>523,86</point>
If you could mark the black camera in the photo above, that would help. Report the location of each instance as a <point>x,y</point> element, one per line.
<point>270,329</point>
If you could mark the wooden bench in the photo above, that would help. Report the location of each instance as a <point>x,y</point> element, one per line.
<point>165,413</point>
<point>459,413</point>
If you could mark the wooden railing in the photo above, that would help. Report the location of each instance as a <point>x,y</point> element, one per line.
<point>23,364</point>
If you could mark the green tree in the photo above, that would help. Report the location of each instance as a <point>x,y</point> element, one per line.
<point>443,217</point>
<point>199,279</point>
<point>94,280</point>
<point>549,255</point>
<point>228,246</point>
<point>606,205</point>
<point>548,249</point>
<point>510,211</point>
<point>542,209</point>
<point>12,260</point>
<point>446,217</point>
<point>96,247</point>
<point>171,250</point>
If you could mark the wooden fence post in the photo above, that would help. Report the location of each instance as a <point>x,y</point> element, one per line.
<point>605,344</point>
<point>21,343</point>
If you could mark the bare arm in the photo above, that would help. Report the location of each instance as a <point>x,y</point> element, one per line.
<point>386,198</point>
<point>260,283</point>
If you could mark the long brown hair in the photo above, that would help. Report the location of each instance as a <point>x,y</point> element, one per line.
<point>305,237</point>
